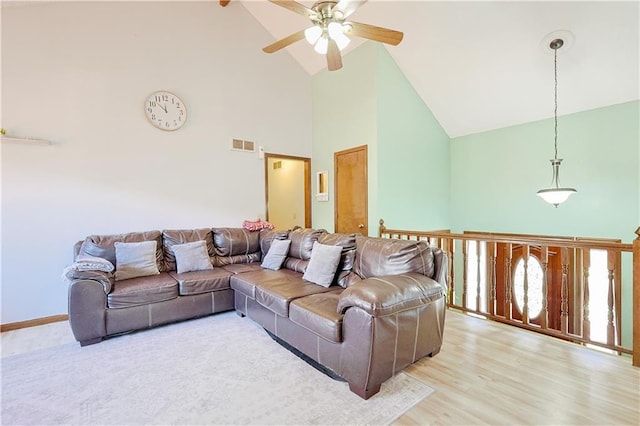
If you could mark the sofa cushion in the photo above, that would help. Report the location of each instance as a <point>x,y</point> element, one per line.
<point>277,294</point>
<point>235,241</point>
<point>267,236</point>
<point>192,257</point>
<point>319,313</point>
<point>323,264</point>
<point>171,237</point>
<point>240,268</point>
<point>103,245</point>
<point>302,240</point>
<point>135,259</point>
<point>222,261</point>
<point>377,257</point>
<point>196,282</point>
<point>276,255</point>
<point>247,282</point>
<point>296,265</point>
<point>142,291</point>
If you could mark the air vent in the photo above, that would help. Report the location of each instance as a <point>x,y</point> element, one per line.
<point>241,145</point>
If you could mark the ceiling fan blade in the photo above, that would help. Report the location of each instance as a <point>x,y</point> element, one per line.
<point>347,7</point>
<point>295,7</point>
<point>280,44</point>
<point>371,32</point>
<point>334,58</point>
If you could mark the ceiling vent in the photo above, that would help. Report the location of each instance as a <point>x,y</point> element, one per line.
<point>240,145</point>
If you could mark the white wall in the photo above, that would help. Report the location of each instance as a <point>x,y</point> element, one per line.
<point>78,74</point>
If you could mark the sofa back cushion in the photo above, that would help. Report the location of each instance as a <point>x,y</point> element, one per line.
<point>376,257</point>
<point>267,236</point>
<point>236,245</point>
<point>171,237</point>
<point>302,240</point>
<point>103,245</point>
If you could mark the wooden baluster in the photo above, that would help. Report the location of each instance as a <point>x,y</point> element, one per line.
<point>508,281</point>
<point>611,328</point>
<point>636,300</point>
<point>478,279</point>
<point>464,274</point>
<point>564,295</point>
<point>451,244</point>
<point>525,305</point>
<point>586,322</point>
<point>617,295</point>
<point>544,314</point>
<point>492,249</point>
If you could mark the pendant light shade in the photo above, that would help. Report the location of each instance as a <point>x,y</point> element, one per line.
<point>555,194</point>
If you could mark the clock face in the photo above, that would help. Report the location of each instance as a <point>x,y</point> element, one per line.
<point>165,110</point>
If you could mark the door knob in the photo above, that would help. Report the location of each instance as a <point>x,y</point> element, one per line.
<point>361,226</point>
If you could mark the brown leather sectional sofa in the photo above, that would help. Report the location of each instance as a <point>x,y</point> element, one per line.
<point>383,311</point>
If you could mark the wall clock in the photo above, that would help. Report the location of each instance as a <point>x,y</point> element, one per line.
<point>165,110</point>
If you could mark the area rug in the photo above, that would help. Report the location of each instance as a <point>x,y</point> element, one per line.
<point>221,369</point>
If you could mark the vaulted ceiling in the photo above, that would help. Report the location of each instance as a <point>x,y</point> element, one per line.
<point>481,65</point>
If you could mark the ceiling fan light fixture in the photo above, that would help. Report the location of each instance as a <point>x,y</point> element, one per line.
<point>322,45</point>
<point>342,41</point>
<point>312,34</point>
<point>335,30</point>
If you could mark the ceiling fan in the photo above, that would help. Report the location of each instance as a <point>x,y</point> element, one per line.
<point>330,28</point>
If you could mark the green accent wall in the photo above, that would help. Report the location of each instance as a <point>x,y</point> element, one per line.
<point>495,176</point>
<point>413,155</point>
<point>370,102</point>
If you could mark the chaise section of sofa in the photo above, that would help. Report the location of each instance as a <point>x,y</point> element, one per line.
<point>384,311</point>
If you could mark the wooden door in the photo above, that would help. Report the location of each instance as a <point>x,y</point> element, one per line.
<point>351,189</point>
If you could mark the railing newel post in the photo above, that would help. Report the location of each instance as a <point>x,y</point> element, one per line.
<point>636,299</point>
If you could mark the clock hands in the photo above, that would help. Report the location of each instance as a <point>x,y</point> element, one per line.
<point>164,108</point>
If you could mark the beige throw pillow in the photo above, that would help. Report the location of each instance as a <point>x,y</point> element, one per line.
<point>192,256</point>
<point>276,255</point>
<point>323,264</point>
<point>135,260</point>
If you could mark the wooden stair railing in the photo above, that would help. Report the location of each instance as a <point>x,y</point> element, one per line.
<point>566,295</point>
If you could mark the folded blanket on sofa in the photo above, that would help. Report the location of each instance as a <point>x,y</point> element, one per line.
<point>89,263</point>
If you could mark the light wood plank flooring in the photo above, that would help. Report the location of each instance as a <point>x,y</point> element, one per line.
<point>492,373</point>
<point>486,373</point>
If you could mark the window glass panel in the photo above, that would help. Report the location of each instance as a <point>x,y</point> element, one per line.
<point>535,277</point>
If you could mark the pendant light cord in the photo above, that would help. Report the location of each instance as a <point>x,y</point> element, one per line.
<point>555,100</point>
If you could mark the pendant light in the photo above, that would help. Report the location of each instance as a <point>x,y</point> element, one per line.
<point>555,194</point>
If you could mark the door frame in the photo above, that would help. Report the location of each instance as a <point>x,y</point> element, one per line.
<point>307,184</point>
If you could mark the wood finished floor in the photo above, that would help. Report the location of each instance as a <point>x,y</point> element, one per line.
<point>486,373</point>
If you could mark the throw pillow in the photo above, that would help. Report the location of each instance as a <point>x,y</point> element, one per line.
<point>135,259</point>
<point>276,254</point>
<point>323,264</point>
<point>192,257</point>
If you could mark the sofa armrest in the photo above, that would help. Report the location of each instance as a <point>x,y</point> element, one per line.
<point>106,279</point>
<point>380,296</point>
